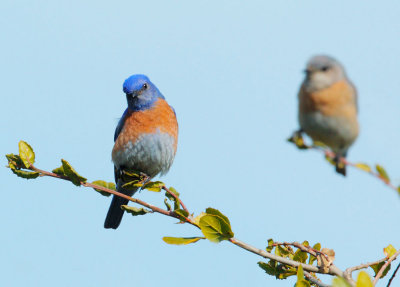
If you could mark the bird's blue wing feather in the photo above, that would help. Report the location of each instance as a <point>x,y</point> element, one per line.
<point>120,125</point>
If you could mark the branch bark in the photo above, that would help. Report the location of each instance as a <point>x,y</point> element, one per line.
<point>393,257</point>
<point>314,280</point>
<point>333,270</point>
<point>347,274</point>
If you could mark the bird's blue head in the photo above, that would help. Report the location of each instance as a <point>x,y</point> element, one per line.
<point>141,94</point>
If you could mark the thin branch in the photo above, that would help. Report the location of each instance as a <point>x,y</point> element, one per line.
<point>333,270</point>
<point>347,274</point>
<point>393,257</point>
<point>87,184</point>
<point>176,197</point>
<point>393,275</point>
<point>314,280</point>
<point>331,155</point>
<point>135,200</point>
<point>307,268</point>
<point>114,192</point>
<point>303,248</point>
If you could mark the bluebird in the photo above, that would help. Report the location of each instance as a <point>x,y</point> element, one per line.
<point>145,139</point>
<point>328,107</point>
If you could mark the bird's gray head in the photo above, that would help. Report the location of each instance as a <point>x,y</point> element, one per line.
<point>322,72</point>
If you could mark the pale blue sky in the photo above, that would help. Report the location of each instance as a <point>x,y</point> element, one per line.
<point>231,69</point>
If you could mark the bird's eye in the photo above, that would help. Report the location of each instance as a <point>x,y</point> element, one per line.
<point>324,68</point>
<point>144,86</point>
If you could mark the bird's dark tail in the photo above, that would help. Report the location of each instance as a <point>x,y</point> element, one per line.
<point>115,213</point>
<point>340,166</point>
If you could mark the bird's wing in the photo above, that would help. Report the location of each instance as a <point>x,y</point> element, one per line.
<point>120,125</point>
<point>355,94</point>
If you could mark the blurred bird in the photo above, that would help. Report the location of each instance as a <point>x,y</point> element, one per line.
<point>145,139</point>
<point>328,107</point>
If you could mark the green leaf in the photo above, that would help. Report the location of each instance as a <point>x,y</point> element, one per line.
<point>214,211</point>
<point>182,214</point>
<point>155,186</point>
<point>26,174</point>
<point>363,166</point>
<point>70,172</point>
<point>196,220</point>
<point>215,228</point>
<point>300,256</point>
<point>298,140</point>
<point>129,175</point>
<point>330,160</point>
<point>280,271</point>
<point>377,267</point>
<point>172,190</point>
<point>363,280</point>
<point>389,250</point>
<point>398,189</point>
<point>269,268</point>
<point>176,202</point>
<point>300,273</point>
<point>132,185</point>
<point>109,185</point>
<point>301,282</point>
<point>316,246</point>
<point>26,154</point>
<point>22,173</point>
<point>59,171</point>
<point>382,173</point>
<point>340,282</point>
<point>285,271</point>
<point>270,245</point>
<point>181,240</point>
<point>16,159</point>
<point>134,210</point>
<point>167,204</point>
<point>282,251</point>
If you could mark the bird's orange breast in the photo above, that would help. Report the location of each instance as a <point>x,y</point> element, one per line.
<point>336,100</point>
<point>160,118</point>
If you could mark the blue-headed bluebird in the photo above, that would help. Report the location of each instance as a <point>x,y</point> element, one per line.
<point>328,107</point>
<point>145,139</point>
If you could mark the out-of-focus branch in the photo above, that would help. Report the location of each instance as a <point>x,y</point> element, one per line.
<point>298,140</point>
